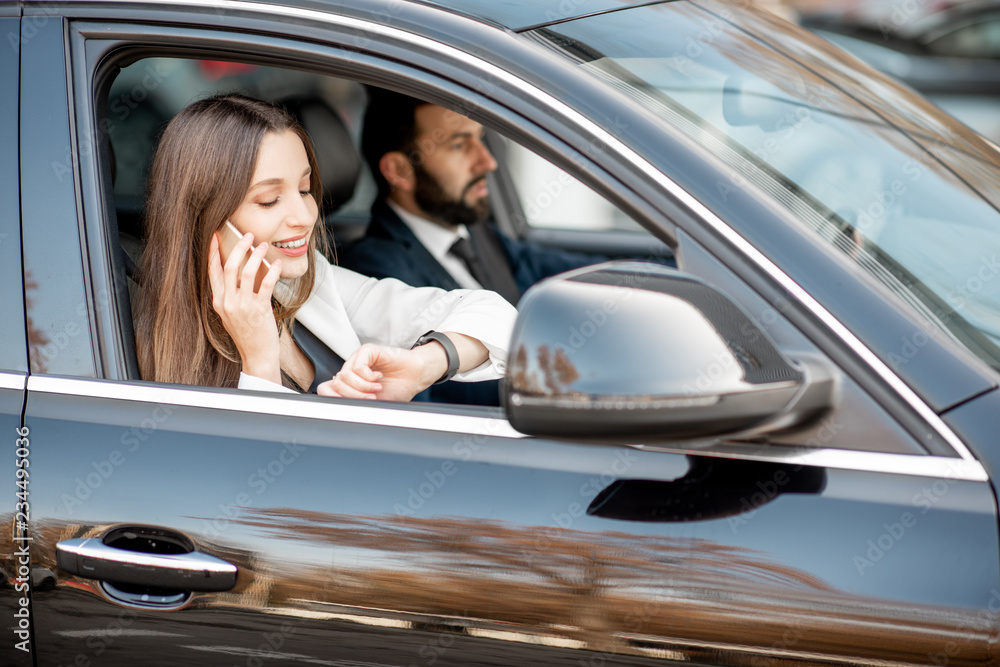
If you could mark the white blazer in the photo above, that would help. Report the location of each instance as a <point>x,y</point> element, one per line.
<point>347,309</point>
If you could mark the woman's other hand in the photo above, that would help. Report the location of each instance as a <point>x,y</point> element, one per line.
<point>246,314</point>
<point>394,374</point>
<point>386,373</point>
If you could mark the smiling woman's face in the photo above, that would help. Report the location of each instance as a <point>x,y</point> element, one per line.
<point>279,208</point>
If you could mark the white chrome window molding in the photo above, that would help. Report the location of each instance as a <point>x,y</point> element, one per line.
<point>939,467</point>
<point>287,405</point>
<point>13,381</point>
<point>277,404</point>
<point>612,143</point>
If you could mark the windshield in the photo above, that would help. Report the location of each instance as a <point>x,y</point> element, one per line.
<point>909,199</point>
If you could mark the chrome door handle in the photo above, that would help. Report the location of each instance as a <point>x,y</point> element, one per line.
<point>192,571</point>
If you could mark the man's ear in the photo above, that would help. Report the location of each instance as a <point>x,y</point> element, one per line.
<point>398,171</point>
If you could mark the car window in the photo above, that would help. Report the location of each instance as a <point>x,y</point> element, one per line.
<point>552,198</point>
<point>887,437</point>
<point>149,92</point>
<point>549,196</point>
<point>59,312</point>
<point>916,211</point>
<point>12,324</point>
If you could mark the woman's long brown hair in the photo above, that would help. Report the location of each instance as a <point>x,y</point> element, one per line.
<point>202,171</point>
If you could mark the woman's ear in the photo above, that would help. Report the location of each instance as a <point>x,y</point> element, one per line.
<point>398,171</point>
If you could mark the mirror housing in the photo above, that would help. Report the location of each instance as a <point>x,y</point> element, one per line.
<point>637,349</point>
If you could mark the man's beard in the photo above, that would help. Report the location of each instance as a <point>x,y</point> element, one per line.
<point>432,198</point>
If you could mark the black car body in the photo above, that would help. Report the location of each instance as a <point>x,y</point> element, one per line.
<point>850,520</point>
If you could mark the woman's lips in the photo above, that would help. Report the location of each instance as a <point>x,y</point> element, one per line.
<point>295,251</point>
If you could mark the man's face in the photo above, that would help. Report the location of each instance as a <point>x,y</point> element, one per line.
<point>450,166</point>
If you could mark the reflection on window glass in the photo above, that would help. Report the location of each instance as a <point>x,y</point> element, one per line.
<point>550,197</point>
<point>58,314</point>
<point>978,40</point>
<point>916,209</point>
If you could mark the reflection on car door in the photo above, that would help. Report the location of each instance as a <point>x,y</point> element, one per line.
<point>357,540</point>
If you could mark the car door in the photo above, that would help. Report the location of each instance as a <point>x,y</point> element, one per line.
<point>402,534</point>
<point>15,570</point>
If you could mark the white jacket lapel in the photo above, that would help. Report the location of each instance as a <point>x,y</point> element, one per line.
<point>324,313</point>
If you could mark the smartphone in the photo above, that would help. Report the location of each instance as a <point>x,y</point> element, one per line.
<point>228,239</point>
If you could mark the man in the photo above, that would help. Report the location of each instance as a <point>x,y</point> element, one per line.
<point>430,165</point>
<point>429,223</point>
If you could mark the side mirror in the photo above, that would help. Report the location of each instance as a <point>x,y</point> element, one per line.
<point>636,349</point>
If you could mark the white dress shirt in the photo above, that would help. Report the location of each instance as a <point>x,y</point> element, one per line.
<point>438,240</point>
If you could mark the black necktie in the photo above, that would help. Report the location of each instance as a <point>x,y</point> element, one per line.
<point>487,264</point>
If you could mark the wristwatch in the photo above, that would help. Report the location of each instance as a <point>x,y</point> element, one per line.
<point>450,351</point>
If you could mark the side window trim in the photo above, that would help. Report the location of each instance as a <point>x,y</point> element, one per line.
<point>15,381</point>
<point>476,426</point>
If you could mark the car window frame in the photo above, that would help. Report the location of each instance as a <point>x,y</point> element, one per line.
<point>446,91</point>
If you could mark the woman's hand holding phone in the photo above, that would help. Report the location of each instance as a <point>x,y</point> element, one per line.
<point>242,283</point>
<point>231,236</point>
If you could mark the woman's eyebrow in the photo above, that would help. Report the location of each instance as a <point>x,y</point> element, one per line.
<point>277,180</point>
<point>267,181</point>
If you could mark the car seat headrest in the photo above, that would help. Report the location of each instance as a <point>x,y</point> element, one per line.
<point>337,156</point>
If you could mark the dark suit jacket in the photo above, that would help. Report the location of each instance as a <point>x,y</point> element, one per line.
<point>389,249</point>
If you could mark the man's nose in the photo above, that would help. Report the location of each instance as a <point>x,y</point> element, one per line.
<point>485,162</point>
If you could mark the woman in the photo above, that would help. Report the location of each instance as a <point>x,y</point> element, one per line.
<point>200,321</point>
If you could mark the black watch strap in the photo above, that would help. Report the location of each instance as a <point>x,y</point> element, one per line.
<point>450,351</point>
